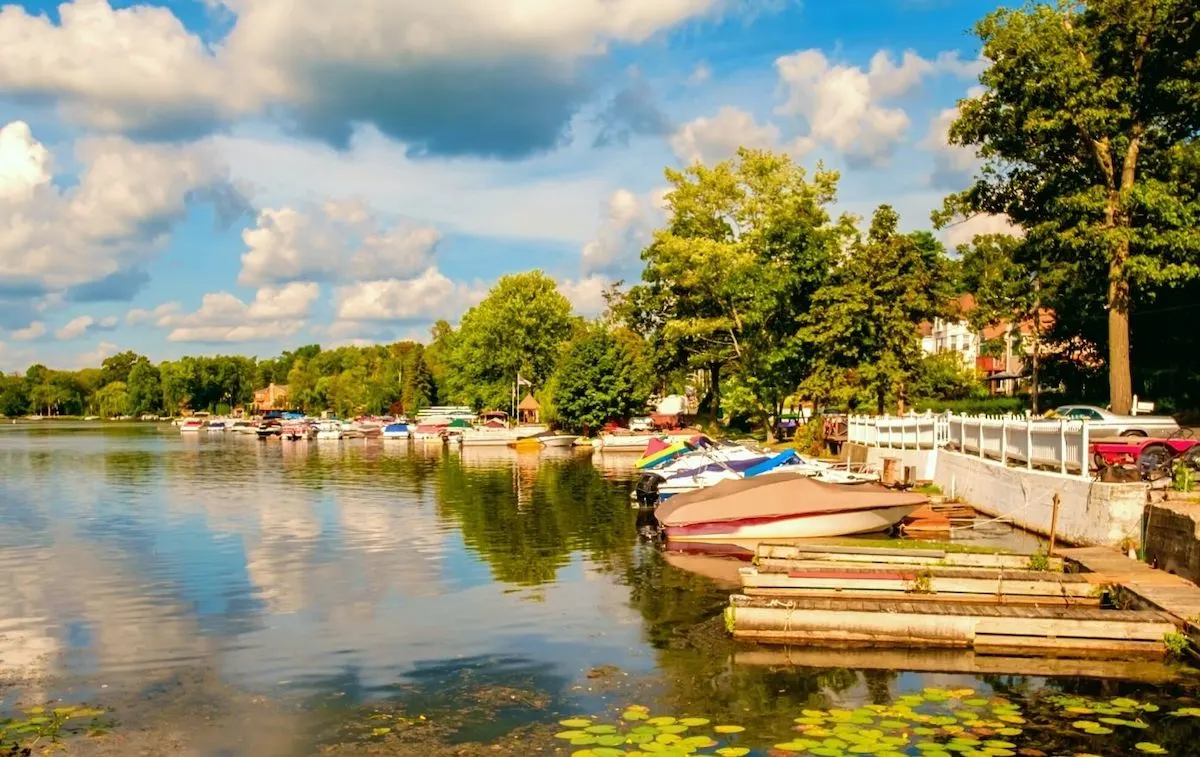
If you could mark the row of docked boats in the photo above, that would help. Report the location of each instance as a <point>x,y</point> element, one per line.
<point>704,491</point>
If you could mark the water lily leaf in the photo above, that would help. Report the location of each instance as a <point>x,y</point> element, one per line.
<point>34,710</point>
<point>381,730</point>
<point>998,752</point>
<point>1011,719</point>
<point>699,742</point>
<point>822,751</point>
<point>998,744</point>
<point>793,746</point>
<point>668,738</point>
<point>608,751</point>
<point>733,751</point>
<point>975,702</point>
<point>817,733</point>
<point>599,729</point>
<point>611,739</point>
<point>639,738</point>
<point>568,735</point>
<point>893,724</point>
<point>693,722</point>
<point>1079,709</point>
<point>924,730</point>
<point>584,740</point>
<point>677,728</point>
<point>813,713</point>
<point>1149,708</point>
<point>808,721</point>
<point>1125,702</point>
<point>653,746</point>
<point>575,722</point>
<point>583,753</point>
<point>634,715</point>
<point>928,746</point>
<point>729,728</point>
<point>1009,731</point>
<point>1149,748</point>
<point>865,748</point>
<point>661,720</point>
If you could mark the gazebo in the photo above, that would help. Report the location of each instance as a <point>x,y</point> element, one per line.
<point>529,411</point>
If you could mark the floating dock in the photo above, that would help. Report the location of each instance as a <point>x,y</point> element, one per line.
<point>993,604</point>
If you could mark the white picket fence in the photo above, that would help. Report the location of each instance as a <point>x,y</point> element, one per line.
<point>1013,440</point>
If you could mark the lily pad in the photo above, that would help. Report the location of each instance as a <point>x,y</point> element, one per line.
<point>601,729</point>
<point>661,720</point>
<point>568,735</point>
<point>634,715</point>
<point>733,751</point>
<point>693,722</point>
<point>1148,747</point>
<point>729,728</point>
<point>612,739</point>
<point>575,722</point>
<point>382,730</point>
<point>586,739</point>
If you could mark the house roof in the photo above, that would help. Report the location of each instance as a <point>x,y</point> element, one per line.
<point>529,403</point>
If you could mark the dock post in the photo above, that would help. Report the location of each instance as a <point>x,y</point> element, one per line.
<point>889,477</point>
<point>1054,522</point>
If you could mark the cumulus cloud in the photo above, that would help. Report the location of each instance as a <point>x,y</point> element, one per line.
<point>75,328</point>
<point>138,316</point>
<point>700,74</point>
<point>586,295</point>
<point>339,241</point>
<point>427,297</point>
<point>965,231</point>
<point>633,111</point>
<point>275,313</point>
<point>112,220</point>
<point>954,165</point>
<point>427,74</point>
<point>626,223</point>
<point>34,330</point>
<point>95,357</point>
<point>710,140</point>
<point>846,107</point>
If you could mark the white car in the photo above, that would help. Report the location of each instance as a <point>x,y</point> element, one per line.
<point>1101,421</point>
<point>641,424</point>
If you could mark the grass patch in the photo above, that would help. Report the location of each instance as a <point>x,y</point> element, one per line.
<point>931,490</point>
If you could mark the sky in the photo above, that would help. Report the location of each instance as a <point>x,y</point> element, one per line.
<point>247,176</point>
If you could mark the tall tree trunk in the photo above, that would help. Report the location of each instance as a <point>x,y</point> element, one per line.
<point>1120,374</point>
<point>880,398</point>
<point>714,391</point>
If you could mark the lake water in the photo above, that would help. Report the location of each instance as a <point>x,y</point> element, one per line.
<point>225,596</point>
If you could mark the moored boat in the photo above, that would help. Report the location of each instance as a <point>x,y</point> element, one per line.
<point>269,427</point>
<point>217,426</point>
<point>192,425</point>
<point>559,441</point>
<point>622,440</point>
<point>330,429</point>
<point>397,431</point>
<point>782,507</point>
<point>295,431</point>
<point>242,427</point>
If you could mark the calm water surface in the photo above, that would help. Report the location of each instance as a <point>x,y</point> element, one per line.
<point>320,582</point>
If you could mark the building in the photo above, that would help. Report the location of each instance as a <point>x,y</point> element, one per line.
<point>274,397</point>
<point>529,411</point>
<point>998,352</point>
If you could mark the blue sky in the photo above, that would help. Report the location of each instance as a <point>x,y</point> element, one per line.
<point>207,176</point>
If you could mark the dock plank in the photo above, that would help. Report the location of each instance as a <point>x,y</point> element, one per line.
<point>1147,586</point>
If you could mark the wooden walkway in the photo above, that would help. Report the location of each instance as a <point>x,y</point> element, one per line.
<point>1146,587</point>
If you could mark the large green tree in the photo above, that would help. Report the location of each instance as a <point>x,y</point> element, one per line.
<point>862,327</point>
<point>598,379</point>
<point>112,400</point>
<point>144,388</point>
<point>1087,127</point>
<point>747,244</point>
<point>518,328</point>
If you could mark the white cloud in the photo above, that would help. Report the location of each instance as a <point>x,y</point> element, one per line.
<point>275,313</point>
<point>96,356</point>
<point>965,231</point>
<point>75,328</point>
<point>710,140</point>
<point>427,297</point>
<point>138,316</point>
<point>954,165</point>
<point>625,227</point>
<point>29,333</point>
<point>108,322</point>
<point>845,106</point>
<point>140,69</point>
<point>339,241</point>
<point>586,294</point>
<point>115,217</point>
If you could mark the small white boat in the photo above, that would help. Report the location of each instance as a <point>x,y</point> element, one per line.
<point>217,427</point>
<point>245,428</point>
<point>611,441</point>
<point>192,426</point>
<point>559,440</point>
<point>330,430</point>
<point>397,431</point>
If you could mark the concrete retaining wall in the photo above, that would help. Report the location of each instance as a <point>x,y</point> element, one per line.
<point>1090,513</point>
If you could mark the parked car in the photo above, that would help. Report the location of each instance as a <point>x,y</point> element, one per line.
<point>641,424</point>
<point>1102,422</point>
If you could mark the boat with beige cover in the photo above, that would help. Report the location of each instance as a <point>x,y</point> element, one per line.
<point>782,507</point>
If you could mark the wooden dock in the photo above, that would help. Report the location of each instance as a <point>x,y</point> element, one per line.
<point>1137,585</point>
<point>992,629</point>
<point>993,604</point>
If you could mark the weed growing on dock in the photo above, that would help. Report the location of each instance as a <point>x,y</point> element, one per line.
<point>41,729</point>
<point>1182,478</point>
<point>922,583</point>
<point>1177,643</point>
<point>1040,560</point>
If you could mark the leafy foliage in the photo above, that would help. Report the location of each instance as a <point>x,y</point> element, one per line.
<point>598,379</point>
<point>1087,125</point>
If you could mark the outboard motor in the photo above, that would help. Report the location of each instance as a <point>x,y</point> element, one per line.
<point>647,489</point>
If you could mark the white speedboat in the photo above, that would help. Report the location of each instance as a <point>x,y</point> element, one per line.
<point>245,428</point>
<point>330,430</point>
<point>558,441</point>
<point>193,426</point>
<point>775,507</point>
<point>217,426</point>
<point>624,441</point>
